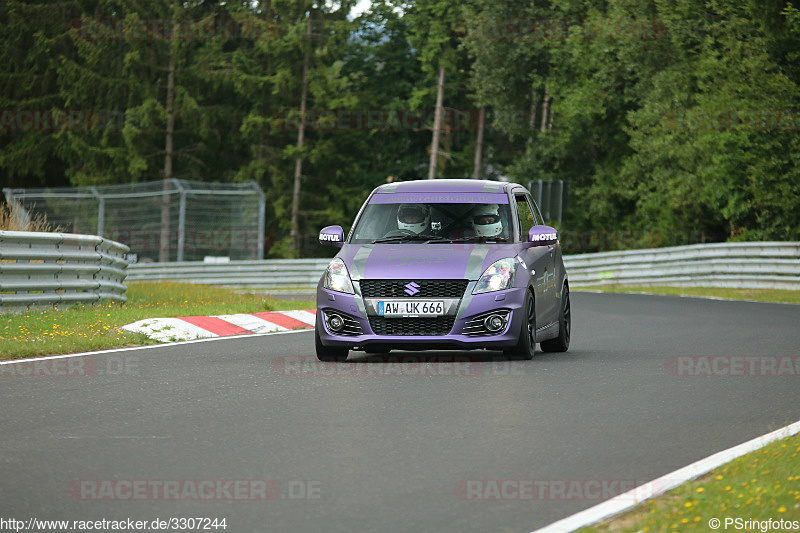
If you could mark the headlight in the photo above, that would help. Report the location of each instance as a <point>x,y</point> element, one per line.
<point>337,278</point>
<point>497,277</point>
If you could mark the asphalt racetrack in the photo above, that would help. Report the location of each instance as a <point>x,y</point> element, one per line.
<point>379,444</point>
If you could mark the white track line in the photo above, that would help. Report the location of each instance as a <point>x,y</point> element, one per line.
<point>657,487</point>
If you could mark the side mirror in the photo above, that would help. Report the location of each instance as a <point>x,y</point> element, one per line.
<point>331,236</point>
<point>542,235</point>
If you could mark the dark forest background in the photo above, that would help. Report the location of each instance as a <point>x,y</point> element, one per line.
<point>672,122</point>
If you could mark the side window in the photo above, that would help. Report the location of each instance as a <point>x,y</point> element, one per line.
<point>526,218</point>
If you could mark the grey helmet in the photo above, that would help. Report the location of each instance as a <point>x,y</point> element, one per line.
<point>486,220</point>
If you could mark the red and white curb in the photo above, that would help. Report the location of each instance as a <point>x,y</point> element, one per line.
<point>202,327</point>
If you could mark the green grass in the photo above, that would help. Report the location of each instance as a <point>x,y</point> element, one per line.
<point>86,328</point>
<point>761,295</point>
<point>758,486</point>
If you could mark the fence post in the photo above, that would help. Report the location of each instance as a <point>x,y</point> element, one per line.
<point>101,210</point>
<point>560,200</point>
<point>181,219</point>
<point>262,215</point>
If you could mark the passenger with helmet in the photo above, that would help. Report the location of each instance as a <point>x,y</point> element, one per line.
<point>486,220</point>
<point>413,217</point>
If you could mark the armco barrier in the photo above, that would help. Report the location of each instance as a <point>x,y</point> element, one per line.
<point>748,265</point>
<point>52,268</point>
<point>268,274</point>
<point>742,265</point>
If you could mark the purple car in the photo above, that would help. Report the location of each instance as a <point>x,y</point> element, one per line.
<point>444,264</point>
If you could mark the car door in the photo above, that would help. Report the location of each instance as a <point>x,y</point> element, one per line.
<point>551,282</point>
<point>538,259</point>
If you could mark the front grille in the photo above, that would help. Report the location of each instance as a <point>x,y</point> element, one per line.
<point>428,288</point>
<point>440,325</point>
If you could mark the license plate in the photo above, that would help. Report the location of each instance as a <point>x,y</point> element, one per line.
<point>411,308</point>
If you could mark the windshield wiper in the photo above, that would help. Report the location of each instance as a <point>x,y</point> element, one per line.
<point>434,239</point>
<point>406,238</point>
<point>480,240</point>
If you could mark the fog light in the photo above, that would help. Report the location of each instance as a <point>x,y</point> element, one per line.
<point>335,323</point>
<point>494,323</point>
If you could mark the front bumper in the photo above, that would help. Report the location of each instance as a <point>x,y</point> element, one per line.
<point>362,322</point>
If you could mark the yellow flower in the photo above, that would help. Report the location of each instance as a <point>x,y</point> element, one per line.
<point>781,509</point>
<point>701,489</point>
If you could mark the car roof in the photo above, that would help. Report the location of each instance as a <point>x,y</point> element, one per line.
<point>446,186</point>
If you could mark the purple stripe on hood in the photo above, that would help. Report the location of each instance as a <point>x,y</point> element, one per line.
<point>421,261</point>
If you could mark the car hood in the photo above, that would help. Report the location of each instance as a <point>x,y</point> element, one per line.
<point>422,261</point>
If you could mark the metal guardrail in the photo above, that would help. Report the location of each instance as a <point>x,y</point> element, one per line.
<point>747,265</point>
<point>268,274</point>
<point>51,268</point>
<point>737,265</point>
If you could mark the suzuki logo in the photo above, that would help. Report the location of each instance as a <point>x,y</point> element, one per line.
<point>412,288</point>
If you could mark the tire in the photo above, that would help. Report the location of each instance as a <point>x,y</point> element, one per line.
<point>526,344</point>
<point>561,343</point>
<point>326,353</point>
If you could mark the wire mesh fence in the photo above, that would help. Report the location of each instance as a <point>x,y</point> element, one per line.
<point>168,220</point>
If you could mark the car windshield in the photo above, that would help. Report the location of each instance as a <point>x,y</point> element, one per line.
<point>434,222</point>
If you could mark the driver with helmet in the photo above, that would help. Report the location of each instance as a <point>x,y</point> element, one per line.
<point>486,220</point>
<point>413,217</point>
